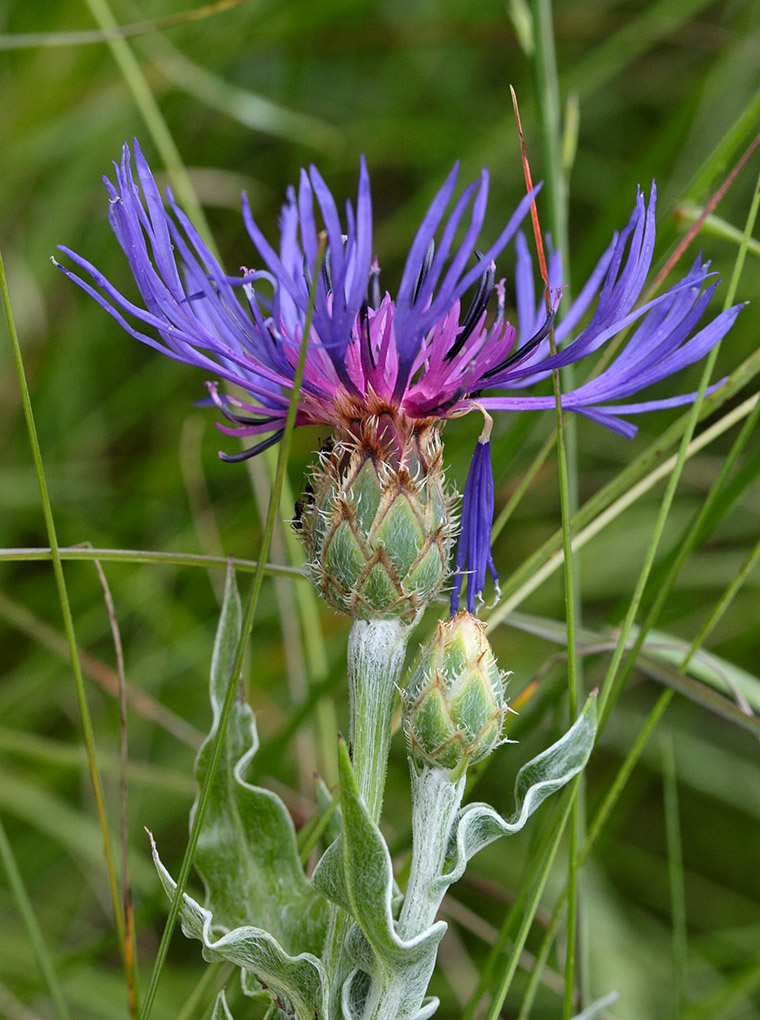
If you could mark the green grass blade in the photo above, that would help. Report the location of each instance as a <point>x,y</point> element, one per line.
<point>24,905</point>
<point>603,508</point>
<point>89,37</point>
<point>63,597</point>
<point>547,90</point>
<point>252,111</point>
<point>614,680</point>
<point>675,873</point>
<point>612,684</point>
<point>534,899</point>
<point>152,556</point>
<point>151,114</point>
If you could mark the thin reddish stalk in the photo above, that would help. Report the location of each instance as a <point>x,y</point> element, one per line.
<point>533,207</point>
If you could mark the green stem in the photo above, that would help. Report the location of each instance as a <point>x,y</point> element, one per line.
<point>693,534</point>
<point>675,873</point>
<point>506,934</point>
<point>151,114</point>
<point>548,559</point>
<point>532,905</point>
<point>599,821</point>
<point>621,779</point>
<point>376,650</point>
<point>547,92</point>
<point>525,483</point>
<point>215,976</point>
<point>335,962</point>
<point>150,556</point>
<point>722,605</point>
<point>615,677</point>
<point>549,108</point>
<point>436,797</point>
<point>16,883</point>
<point>68,620</point>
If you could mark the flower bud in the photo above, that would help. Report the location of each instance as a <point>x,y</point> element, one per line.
<point>454,706</point>
<point>379,526</point>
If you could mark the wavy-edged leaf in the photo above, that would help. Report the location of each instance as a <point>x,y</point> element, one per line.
<point>477,825</point>
<point>298,982</point>
<point>356,873</point>
<point>247,854</point>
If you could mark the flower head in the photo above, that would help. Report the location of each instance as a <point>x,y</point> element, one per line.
<point>418,356</point>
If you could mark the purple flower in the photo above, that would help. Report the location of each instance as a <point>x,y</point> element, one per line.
<point>418,356</point>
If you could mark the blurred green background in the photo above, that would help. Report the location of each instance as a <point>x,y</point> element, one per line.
<point>250,94</point>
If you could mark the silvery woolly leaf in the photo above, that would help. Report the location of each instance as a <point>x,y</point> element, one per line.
<point>477,825</point>
<point>354,999</point>
<point>296,983</point>
<point>221,1010</point>
<point>354,995</point>
<point>254,990</point>
<point>356,873</point>
<point>247,854</point>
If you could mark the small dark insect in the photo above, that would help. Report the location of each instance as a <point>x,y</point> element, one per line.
<point>302,504</point>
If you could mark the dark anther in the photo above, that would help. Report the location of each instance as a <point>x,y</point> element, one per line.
<point>327,276</point>
<point>438,407</point>
<point>374,295</point>
<point>525,350</point>
<point>307,274</point>
<point>241,419</point>
<point>235,458</point>
<point>364,337</point>
<point>424,270</point>
<point>477,307</point>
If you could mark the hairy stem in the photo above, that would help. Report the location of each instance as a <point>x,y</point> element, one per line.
<point>376,650</point>
<point>435,802</point>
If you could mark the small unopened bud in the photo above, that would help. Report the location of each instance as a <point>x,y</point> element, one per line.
<point>379,525</point>
<point>454,706</point>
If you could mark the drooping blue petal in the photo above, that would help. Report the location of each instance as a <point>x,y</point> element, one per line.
<point>473,555</point>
